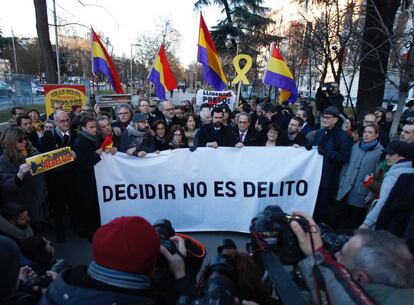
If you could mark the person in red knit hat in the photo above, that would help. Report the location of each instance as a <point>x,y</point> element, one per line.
<point>125,253</point>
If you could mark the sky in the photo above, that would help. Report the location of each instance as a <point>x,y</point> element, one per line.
<point>121,20</point>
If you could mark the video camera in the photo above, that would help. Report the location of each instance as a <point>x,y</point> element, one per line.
<point>328,87</point>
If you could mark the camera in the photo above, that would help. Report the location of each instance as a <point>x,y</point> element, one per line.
<point>221,283</point>
<point>271,230</point>
<point>43,281</point>
<point>327,88</point>
<point>165,230</point>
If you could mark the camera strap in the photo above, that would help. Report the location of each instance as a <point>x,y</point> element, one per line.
<point>286,288</point>
<point>322,295</point>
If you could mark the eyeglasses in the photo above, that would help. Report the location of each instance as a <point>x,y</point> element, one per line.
<point>21,140</point>
<point>169,109</point>
<point>326,117</point>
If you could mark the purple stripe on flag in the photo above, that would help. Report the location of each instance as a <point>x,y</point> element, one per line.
<point>283,82</point>
<point>100,65</point>
<point>210,76</point>
<point>155,78</point>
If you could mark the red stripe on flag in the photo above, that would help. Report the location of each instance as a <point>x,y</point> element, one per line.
<point>207,35</point>
<point>117,83</point>
<point>276,54</point>
<point>169,79</point>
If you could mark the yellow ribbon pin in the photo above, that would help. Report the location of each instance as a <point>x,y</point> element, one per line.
<point>241,73</point>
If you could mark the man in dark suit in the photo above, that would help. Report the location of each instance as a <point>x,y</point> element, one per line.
<point>244,135</point>
<point>87,155</point>
<point>295,137</point>
<point>276,115</point>
<point>25,123</point>
<point>304,115</point>
<point>61,180</point>
<point>169,117</point>
<point>216,134</point>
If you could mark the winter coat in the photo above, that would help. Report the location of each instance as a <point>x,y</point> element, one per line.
<point>396,211</point>
<point>337,145</point>
<point>86,158</point>
<point>353,173</point>
<point>30,192</point>
<point>390,179</point>
<point>131,137</point>
<point>89,292</point>
<point>75,287</point>
<point>223,137</point>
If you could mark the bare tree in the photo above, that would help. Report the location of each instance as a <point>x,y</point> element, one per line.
<point>42,27</point>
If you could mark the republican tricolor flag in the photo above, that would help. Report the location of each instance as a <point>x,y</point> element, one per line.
<point>161,75</point>
<point>277,74</point>
<point>102,62</point>
<point>208,57</point>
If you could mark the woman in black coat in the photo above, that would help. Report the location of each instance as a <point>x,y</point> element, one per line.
<point>16,182</point>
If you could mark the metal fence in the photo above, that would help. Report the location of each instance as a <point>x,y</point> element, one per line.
<point>26,90</point>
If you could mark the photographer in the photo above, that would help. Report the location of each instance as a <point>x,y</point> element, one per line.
<point>373,267</point>
<point>125,253</point>
<point>34,247</point>
<point>12,275</point>
<point>329,95</point>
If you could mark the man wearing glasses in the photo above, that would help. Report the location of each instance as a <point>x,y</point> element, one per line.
<point>335,146</point>
<point>60,181</point>
<point>168,112</point>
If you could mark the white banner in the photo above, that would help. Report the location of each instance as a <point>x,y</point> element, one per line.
<point>215,97</point>
<point>209,189</point>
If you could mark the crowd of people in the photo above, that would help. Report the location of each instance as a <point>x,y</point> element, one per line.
<point>367,184</point>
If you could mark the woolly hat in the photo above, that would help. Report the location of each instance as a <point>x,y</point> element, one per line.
<point>9,266</point>
<point>128,244</point>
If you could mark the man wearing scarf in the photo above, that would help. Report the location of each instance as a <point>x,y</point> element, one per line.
<point>137,139</point>
<point>87,155</point>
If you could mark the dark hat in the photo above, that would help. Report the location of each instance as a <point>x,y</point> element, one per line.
<point>139,117</point>
<point>332,110</point>
<point>128,244</point>
<point>410,103</point>
<point>399,147</point>
<point>9,266</point>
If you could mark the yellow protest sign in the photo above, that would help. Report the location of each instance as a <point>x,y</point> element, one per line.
<point>49,160</point>
<point>67,95</point>
<point>241,73</point>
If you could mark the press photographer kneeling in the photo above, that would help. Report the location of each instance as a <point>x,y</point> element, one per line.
<point>373,267</point>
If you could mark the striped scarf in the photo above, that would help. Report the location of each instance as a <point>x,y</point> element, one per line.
<point>118,278</point>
